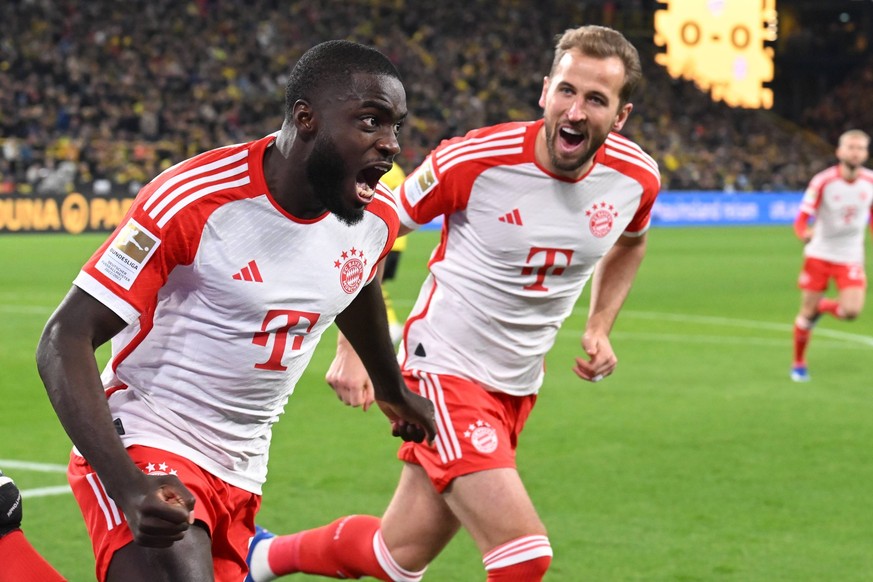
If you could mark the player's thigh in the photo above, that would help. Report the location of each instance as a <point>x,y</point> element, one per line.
<point>494,507</point>
<point>189,559</point>
<point>418,523</point>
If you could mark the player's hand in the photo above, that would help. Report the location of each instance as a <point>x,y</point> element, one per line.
<point>349,379</point>
<point>159,510</point>
<point>807,236</point>
<point>601,360</point>
<point>412,419</point>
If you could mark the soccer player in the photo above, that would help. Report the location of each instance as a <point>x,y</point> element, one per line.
<point>840,199</point>
<point>244,255</point>
<point>531,211</point>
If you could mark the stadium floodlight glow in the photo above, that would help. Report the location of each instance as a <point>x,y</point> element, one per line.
<point>721,46</point>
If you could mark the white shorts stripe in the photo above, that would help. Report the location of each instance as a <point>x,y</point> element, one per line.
<point>517,551</point>
<point>429,391</point>
<point>110,511</point>
<point>388,564</point>
<point>446,434</point>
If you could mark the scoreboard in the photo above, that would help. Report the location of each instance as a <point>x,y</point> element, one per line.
<point>721,45</point>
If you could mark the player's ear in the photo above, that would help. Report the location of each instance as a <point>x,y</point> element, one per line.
<point>622,116</point>
<point>545,90</point>
<point>303,117</point>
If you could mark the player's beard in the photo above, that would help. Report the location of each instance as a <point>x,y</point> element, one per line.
<point>574,164</point>
<point>327,174</point>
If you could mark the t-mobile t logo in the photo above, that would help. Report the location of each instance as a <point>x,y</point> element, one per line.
<point>280,336</point>
<point>549,266</point>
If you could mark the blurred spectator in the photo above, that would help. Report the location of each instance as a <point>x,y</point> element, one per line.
<point>115,92</point>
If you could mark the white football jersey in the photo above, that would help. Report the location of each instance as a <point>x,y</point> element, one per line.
<point>518,245</point>
<point>227,296</point>
<point>842,211</point>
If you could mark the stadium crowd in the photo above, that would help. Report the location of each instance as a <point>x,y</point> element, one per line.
<point>105,94</point>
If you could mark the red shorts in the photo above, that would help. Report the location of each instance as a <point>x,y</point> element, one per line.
<point>478,429</point>
<point>228,512</point>
<point>817,273</point>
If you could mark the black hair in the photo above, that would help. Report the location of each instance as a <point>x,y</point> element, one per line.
<point>330,64</point>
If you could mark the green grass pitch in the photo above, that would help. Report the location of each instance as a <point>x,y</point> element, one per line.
<point>698,460</point>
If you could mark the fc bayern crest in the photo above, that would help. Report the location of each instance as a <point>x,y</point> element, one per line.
<point>351,266</point>
<point>483,436</point>
<point>601,217</point>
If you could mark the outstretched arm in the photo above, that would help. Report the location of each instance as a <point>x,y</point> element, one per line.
<point>612,281</point>
<point>364,324</point>
<point>158,509</point>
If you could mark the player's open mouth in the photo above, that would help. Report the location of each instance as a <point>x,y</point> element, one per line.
<point>365,183</point>
<point>570,138</point>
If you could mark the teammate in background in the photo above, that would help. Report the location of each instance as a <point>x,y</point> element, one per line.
<point>531,211</point>
<point>392,180</point>
<point>244,255</point>
<point>840,199</point>
<point>19,561</point>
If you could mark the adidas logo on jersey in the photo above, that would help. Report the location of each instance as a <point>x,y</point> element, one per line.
<point>249,273</point>
<point>513,217</point>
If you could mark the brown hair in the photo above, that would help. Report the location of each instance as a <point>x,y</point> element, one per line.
<point>602,42</point>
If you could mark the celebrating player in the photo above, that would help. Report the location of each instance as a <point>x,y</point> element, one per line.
<point>531,211</point>
<point>215,291</point>
<point>840,199</point>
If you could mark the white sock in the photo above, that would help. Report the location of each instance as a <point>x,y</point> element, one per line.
<point>259,569</point>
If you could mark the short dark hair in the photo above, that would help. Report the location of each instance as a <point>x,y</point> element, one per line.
<point>602,42</point>
<point>331,63</point>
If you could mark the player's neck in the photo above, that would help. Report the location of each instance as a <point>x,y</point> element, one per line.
<point>849,173</point>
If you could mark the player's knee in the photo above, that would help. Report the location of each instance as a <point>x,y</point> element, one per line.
<point>849,313</point>
<point>522,559</point>
<point>803,322</point>
<point>394,572</point>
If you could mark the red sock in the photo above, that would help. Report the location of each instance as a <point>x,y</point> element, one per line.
<point>801,340</point>
<point>529,571</point>
<point>20,562</point>
<point>342,549</point>
<point>831,306</point>
<point>524,559</point>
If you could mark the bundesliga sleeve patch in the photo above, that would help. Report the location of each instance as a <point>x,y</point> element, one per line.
<point>131,249</point>
<point>420,183</point>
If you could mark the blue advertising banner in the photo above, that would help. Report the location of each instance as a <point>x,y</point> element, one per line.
<point>719,209</point>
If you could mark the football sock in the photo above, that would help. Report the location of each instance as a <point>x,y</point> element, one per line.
<point>801,340</point>
<point>831,306</point>
<point>20,562</point>
<point>524,559</point>
<point>350,547</point>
